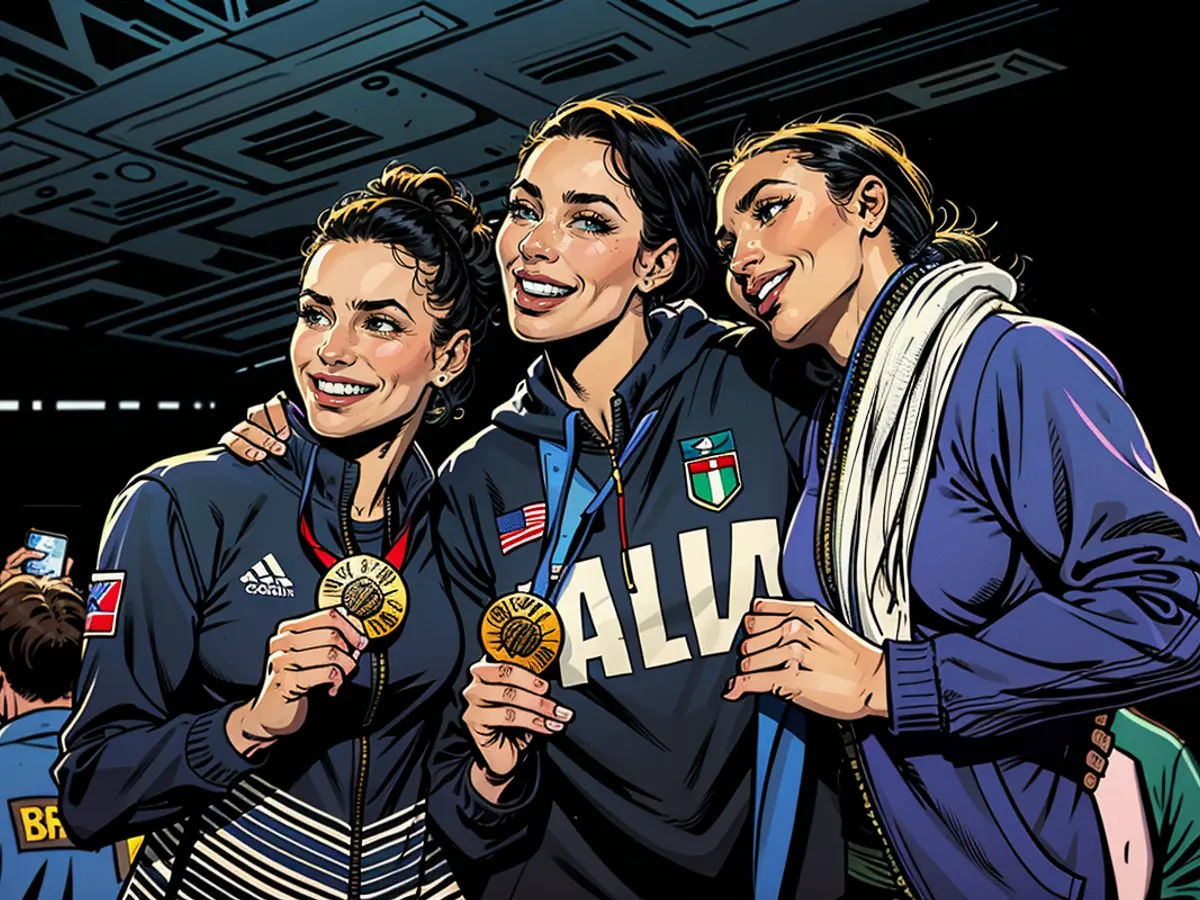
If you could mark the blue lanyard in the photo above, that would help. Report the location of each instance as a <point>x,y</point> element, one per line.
<point>565,538</point>
<point>541,580</point>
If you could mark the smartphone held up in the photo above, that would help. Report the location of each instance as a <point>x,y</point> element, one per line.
<point>53,549</point>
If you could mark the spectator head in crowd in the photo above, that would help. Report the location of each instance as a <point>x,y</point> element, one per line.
<point>41,630</point>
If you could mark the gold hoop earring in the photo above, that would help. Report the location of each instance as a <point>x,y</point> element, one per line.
<point>459,413</point>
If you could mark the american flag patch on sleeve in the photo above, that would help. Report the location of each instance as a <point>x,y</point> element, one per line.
<point>521,526</point>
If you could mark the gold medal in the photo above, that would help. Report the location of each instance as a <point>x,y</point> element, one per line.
<point>522,629</point>
<point>370,589</point>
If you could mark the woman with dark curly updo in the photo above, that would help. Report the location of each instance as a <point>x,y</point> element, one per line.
<point>319,561</point>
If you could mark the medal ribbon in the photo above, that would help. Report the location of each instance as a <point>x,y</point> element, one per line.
<point>394,556</point>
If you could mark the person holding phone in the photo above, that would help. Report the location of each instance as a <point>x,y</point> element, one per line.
<point>37,559</point>
<point>266,645</point>
<point>41,628</point>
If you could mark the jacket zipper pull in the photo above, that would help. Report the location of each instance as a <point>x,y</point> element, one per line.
<point>626,564</point>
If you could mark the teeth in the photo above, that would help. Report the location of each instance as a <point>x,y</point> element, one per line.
<point>340,388</point>
<point>771,285</point>
<point>541,289</point>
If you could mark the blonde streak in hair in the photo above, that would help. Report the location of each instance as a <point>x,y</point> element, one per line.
<point>950,230</point>
<point>876,139</point>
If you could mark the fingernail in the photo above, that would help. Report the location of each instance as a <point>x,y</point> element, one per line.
<point>729,685</point>
<point>285,433</point>
<point>356,654</point>
<point>561,712</point>
<point>279,448</point>
<point>539,685</point>
<point>555,726</point>
<point>362,642</point>
<point>256,454</point>
<point>342,611</point>
<point>758,606</point>
<point>744,666</point>
<point>528,736</point>
<point>333,673</point>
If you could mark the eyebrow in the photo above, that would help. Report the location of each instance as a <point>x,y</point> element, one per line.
<point>528,187</point>
<point>582,198</point>
<point>363,305</point>
<point>314,296</point>
<point>372,305</point>
<point>747,198</point>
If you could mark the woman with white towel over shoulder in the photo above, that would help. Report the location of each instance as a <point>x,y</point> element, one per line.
<point>986,561</point>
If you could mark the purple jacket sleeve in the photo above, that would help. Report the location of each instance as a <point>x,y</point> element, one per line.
<point>1065,467</point>
<point>479,830</point>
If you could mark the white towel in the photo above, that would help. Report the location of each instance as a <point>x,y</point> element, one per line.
<point>891,445</point>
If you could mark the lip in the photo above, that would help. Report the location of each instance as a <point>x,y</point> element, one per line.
<point>531,303</point>
<point>766,305</point>
<point>337,401</point>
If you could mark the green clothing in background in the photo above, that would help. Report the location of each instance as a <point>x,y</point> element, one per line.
<point>1171,787</point>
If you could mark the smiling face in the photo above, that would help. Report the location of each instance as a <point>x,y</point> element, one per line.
<point>362,352</point>
<point>792,251</point>
<point>570,247</point>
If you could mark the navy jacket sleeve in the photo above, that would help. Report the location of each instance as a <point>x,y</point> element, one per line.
<point>479,830</point>
<point>1065,467</point>
<point>132,762</point>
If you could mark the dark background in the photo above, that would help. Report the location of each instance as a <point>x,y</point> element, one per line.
<point>162,160</point>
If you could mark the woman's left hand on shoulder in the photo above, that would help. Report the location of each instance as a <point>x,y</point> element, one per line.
<point>798,651</point>
<point>261,433</point>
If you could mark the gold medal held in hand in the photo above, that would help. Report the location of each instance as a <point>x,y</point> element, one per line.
<point>524,630</point>
<point>370,589</point>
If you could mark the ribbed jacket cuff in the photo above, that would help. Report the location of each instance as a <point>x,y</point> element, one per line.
<point>517,796</point>
<point>914,704</point>
<point>210,754</point>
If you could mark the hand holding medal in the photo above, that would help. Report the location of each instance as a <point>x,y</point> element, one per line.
<point>318,650</point>
<point>506,699</point>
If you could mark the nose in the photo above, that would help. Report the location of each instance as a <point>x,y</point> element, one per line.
<point>540,243</point>
<point>746,256</point>
<point>338,347</point>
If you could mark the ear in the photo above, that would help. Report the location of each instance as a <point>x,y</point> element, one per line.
<point>450,360</point>
<point>869,203</point>
<point>654,268</point>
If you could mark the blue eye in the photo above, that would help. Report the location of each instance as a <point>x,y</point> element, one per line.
<point>383,325</point>
<point>592,223</point>
<point>314,316</point>
<point>519,210</point>
<point>766,210</point>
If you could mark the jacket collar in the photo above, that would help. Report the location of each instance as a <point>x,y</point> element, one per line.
<point>335,477</point>
<point>40,723</point>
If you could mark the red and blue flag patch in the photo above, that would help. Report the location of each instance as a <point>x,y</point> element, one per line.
<point>521,526</point>
<point>103,603</point>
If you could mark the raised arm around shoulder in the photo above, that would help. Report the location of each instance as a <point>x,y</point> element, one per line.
<point>1065,467</point>
<point>130,763</point>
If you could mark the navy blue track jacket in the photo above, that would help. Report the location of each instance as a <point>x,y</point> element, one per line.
<point>205,557</point>
<point>648,791</point>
